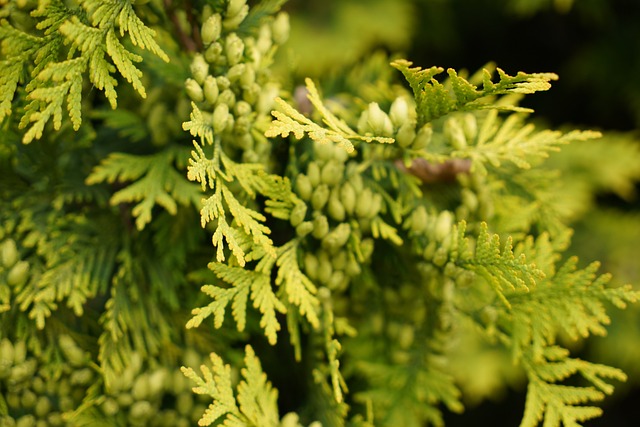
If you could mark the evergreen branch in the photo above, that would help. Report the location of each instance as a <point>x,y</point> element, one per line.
<point>559,404</point>
<point>156,181</point>
<point>512,141</point>
<point>67,29</point>
<point>215,173</point>
<point>571,301</point>
<point>256,402</point>
<point>290,121</point>
<point>434,99</point>
<point>407,395</point>
<point>299,290</point>
<point>246,284</point>
<point>499,266</point>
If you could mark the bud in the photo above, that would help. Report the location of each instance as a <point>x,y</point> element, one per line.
<point>28,399</point>
<point>366,248</point>
<point>323,150</point>
<point>223,82</point>
<point>320,226</point>
<point>324,267</point>
<point>110,407</point>
<point>18,273</point>
<point>338,237</point>
<point>443,225</point>
<point>364,203</point>
<point>234,7</point>
<point>199,68</point>
<point>298,213</point>
<point>379,121</point>
<point>304,188</point>
<point>423,138</point>
<point>280,28</point>
<point>304,228</point>
<point>81,376</point>
<point>469,199</point>
<point>140,389</point>
<point>363,123</point>
<point>339,260</point>
<point>234,48</point>
<point>331,173</point>
<point>26,421</point>
<point>248,77</point>
<point>211,90</point>
<point>320,196</point>
<point>72,352</point>
<point>194,91</point>
<point>454,133</point>
<point>227,97</point>
<point>242,127</point>
<point>348,197</point>
<point>399,112</point>
<point>43,406</point>
<point>235,73</point>
<point>406,134</point>
<point>242,108</point>
<point>267,98</point>
<point>9,254</point>
<point>251,93</point>
<point>265,40</point>
<point>311,265</point>
<point>376,205</point>
<point>313,172</point>
<point>220,118</point>
<point>22,372</point>
<point>212,54</point>
<point>211,29</point>
<point>440,257</point>
<point>335,208</point>
<point>140,411</point>
<point>353,266</point>
<point>419,220</point>
<point>338,281</point>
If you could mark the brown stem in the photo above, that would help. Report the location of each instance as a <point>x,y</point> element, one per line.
<point>195,28</point>
<point>187,42</point>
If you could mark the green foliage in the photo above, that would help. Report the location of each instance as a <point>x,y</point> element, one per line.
<point>435,100</point>
<point>289,121</point>
<point>156,182</point>
<point>368,247</point>
<point>256,401</point>
<point>83,36</point>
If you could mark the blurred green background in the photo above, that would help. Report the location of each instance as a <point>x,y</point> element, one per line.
<point>594,45</point>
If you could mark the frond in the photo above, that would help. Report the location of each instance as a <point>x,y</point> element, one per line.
<point>256,402</point>
<point>571,301</point>
<point>299,290</point>
<point>217,173</point>
<point>245,285</point>
<point>495,263</point>
<point>86,45</point>
<point>434,99</point>
<point>556,404</point>
<point>492,141</point>
<point>155,181</point>
<point>290,121</point>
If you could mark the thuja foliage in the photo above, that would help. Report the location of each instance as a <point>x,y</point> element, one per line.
<point>188,236</point>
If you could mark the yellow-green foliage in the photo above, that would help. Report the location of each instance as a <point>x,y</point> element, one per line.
<point>364,245</point>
